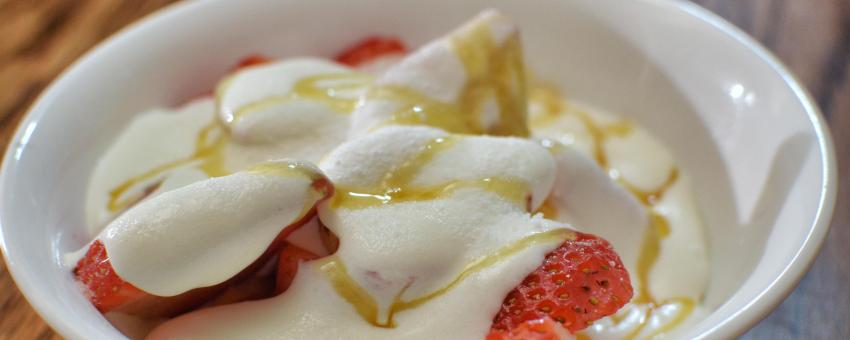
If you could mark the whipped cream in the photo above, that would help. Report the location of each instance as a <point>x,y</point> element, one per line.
<point>436,223</point>
<point>461,250</point>
<point>205,233</point>
<point>271,103</point>
<point>470,81</point>
<point>428,222</point>
<point>134,151</point>
<point>194,143</point>
<point>606,161</point>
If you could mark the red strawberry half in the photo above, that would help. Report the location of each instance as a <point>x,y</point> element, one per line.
<point>289,258</point>
<point>104,288</point>
<point>109,292</point>
<point>251,60</point>
<point>542,329</point>
<point>370,49</point>
<point>579,282</point>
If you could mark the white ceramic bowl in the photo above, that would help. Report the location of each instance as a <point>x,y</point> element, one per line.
<point>759,152</point>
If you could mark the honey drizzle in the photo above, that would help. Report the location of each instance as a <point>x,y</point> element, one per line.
<point>207,155</point>
<point>211,140</point>
<point>286,168</point>
<point>688,306</point>
<point>366,305</point>
<point>347,288</point>
<point>658,229</point>
<point>548,209</point>
<point>395,186</point>
<point>493,72</point>
<point>553,107</point>
<point>309,88</point>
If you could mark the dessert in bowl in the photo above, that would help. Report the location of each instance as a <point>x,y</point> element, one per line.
<point>398,153</point>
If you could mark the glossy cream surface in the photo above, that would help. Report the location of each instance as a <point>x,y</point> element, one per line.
<point>462,249</point>
<point>204,233</point>
<point>134,151</point>
<point>195,142</point>
<point>432,215</point>
<point>657,231</point>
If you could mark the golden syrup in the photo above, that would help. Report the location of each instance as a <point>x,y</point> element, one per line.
<point>347,288</point>
<point>365,304</point>
<point>494,72</point>
<point>548,209</point>
<point>643,322</point>
<point>208,157</point>
<point>328,89</point>
<point>549,99</point>
<point>415,108</point>
<point>648,198</point>
<point>687,307</point>
<point>286,169</point>
<point>396,185</point>
<point>650,249</point>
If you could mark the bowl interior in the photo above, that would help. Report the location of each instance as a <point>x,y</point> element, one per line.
<point>747,133</point>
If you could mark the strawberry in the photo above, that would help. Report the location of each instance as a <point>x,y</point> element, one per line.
<point>579,282</point>
<point>287,265</point>
<point>251,60</point>
<point>370,49</point>
<point>540,329</point>
<point>105,289</point>
<point>109,292</point>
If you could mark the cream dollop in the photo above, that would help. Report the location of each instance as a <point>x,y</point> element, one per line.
<point>296,108</point>
<point>257,87</point>
<point>133,152</point>
<point>205,233</point>
<point>617,181</point>
<point>460,250</point>
<point>465,82</point>
<point>586,197</point>
<point>435,224</point>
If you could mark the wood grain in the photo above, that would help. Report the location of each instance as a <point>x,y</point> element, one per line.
<point>40,38</point>
<point>813,39</point>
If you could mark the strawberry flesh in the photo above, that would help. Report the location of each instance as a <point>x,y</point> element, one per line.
<point>540,329</point>
<point>287,265</point>
<point>579,282</point>
<point>104,288</point>
<point>109,292</point>
<point>251,60</point>
<point>370,49</point>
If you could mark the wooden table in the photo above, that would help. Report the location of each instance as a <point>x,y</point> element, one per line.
<point>40,38</point>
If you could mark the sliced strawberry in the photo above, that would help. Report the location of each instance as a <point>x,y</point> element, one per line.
<point>109,292</point>
<point>329,239</point>
<point>253,288</point>
<point>104,288</point>
<point>579,282</point>
<point>540,329</point>
<point>251,60</point>
<point>370,49</point>
<point>287,265</point>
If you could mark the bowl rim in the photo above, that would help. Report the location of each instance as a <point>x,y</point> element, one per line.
<point>763,304</point>
<point>733,325</point>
